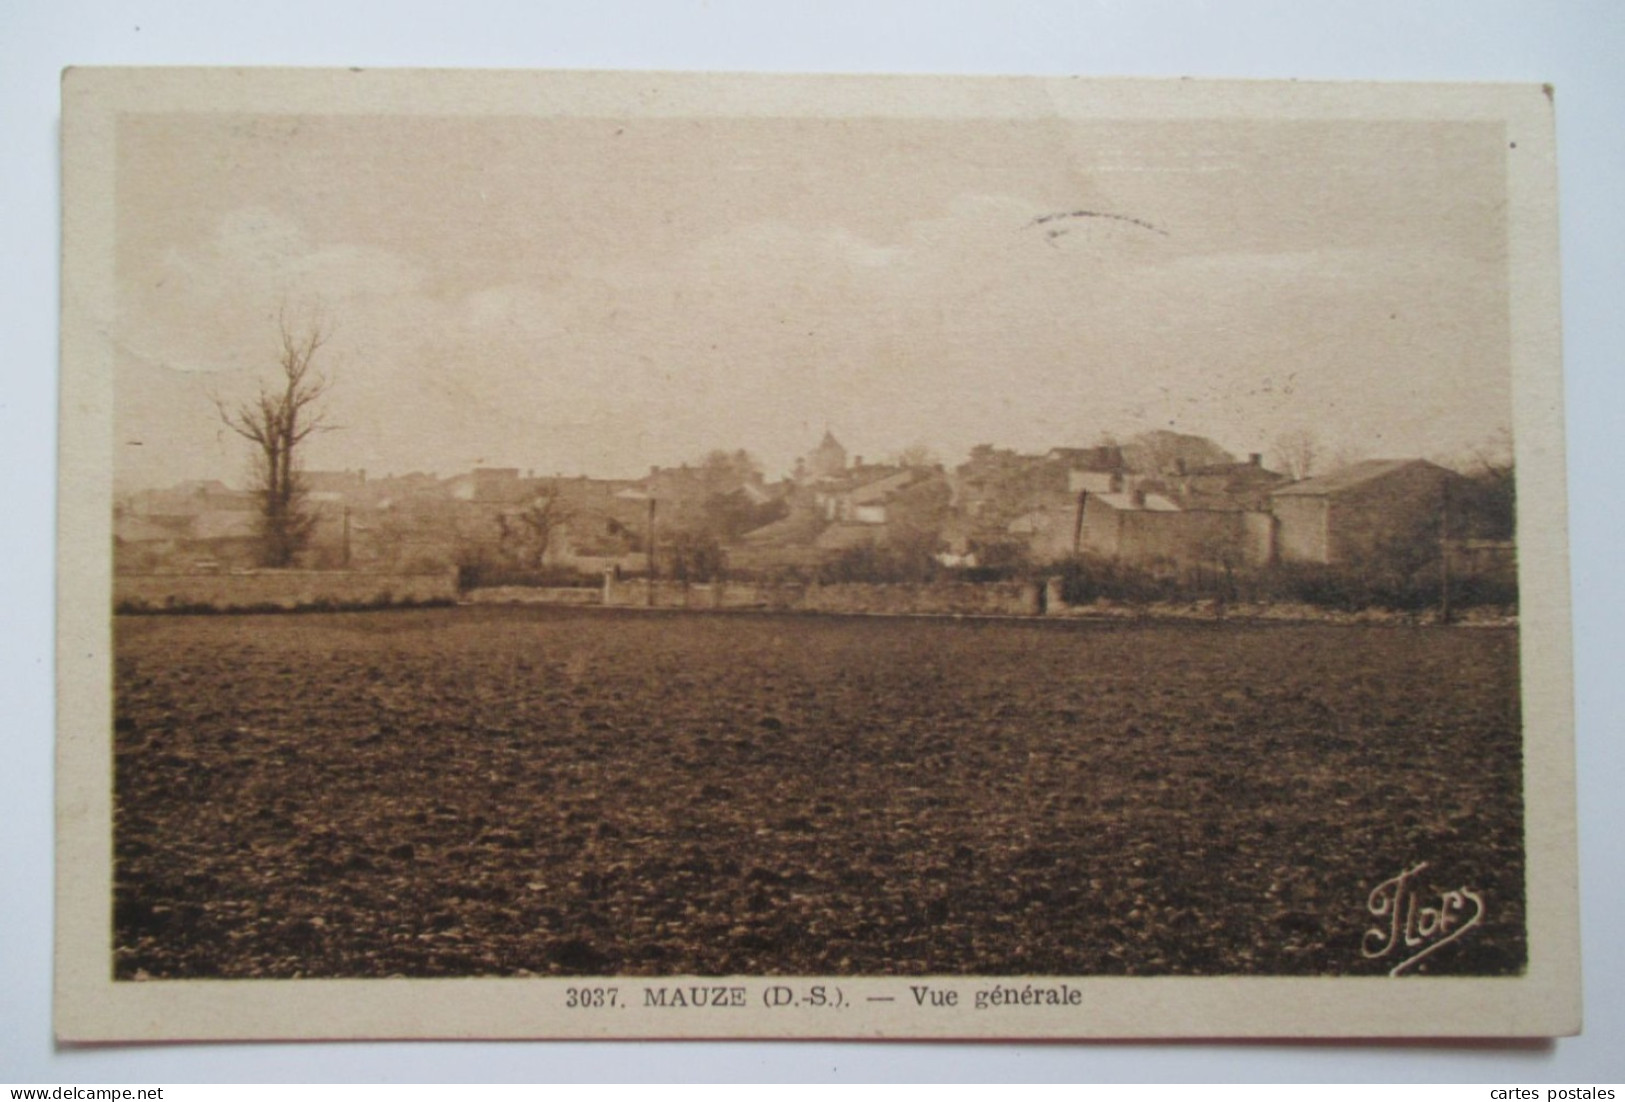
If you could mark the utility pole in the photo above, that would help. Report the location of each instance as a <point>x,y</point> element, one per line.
<point>1077,525</point>
<point>1444,553</point>
<point>649,590</point>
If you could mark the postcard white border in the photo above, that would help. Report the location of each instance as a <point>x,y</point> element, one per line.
<point>90,1006</point>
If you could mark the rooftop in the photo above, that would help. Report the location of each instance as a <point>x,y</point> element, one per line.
<point>1350,477</point>
<point>1153,503</point>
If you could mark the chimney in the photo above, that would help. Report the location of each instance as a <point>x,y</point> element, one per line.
<point>1256,459</point>
<point>1139,499</point>
<point>653,470</point>
<point>857,461</point>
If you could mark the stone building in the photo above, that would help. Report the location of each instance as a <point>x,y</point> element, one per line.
<point>1378,508</point>
<point>828,460</point>
<point>1152,530</point>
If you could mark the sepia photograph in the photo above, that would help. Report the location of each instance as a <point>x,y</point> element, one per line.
<point>729,556</point>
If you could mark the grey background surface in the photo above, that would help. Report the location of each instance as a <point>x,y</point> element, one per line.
<point>1575,46</point>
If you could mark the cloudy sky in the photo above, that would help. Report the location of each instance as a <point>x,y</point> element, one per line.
<point>596,296</point>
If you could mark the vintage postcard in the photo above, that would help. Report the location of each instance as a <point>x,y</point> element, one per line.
<point>570,555</point>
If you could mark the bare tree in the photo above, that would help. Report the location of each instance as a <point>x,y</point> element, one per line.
<point>278,422</point>
<point>1296,451</point>
<point>1490,498</point>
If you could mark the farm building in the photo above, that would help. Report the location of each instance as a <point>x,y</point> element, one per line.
<point>1361,512</point>
<point>147,543</point>
<point>489,485</point>
<point>1050,528</point>
<point>860,495</point>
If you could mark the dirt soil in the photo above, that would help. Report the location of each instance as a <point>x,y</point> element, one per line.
<point>511,791</point>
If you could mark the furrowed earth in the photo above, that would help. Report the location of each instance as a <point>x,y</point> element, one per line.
<point>512,791</point>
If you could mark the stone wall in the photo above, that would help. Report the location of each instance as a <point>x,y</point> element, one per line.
<point>940,599</point>
<point>533,595</point>
<point>286,589</point>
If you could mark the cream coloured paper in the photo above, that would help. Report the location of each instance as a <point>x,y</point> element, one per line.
<point>594,274</point>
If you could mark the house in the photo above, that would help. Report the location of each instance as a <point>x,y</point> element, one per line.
<point>1163,452</point>
<point>1227,485</point>
<point>1097,470</point>
<point>395,490</point>
<point>594,520</point>
<point>789,543</point>
<point>1364,512</point>
<point>1100,457</point>
<point>827,460</point>
<point>847,535</point>
<point>1049,530</point>
<point>143,543</point>
<point>228,537</point>
<point>188,524</point>
<point>347,486</point>
<point>189,498</point>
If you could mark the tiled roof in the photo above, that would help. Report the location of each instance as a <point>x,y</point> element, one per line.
<point>1356,474</point>
<point>796,528</point>
<point>222,525</point>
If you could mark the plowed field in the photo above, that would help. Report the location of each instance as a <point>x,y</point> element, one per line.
<point>503,791</point>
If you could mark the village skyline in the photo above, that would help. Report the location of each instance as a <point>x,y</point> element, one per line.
<point>1297,454</point>
<point>1154,500</point>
